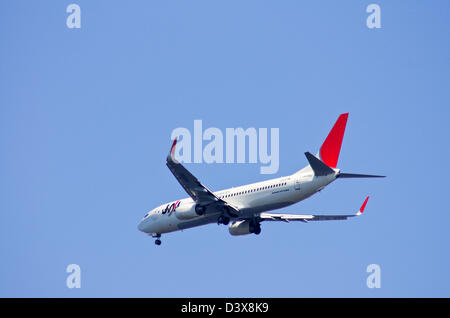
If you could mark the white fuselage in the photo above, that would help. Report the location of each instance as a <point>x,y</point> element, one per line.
<point>251,200</point>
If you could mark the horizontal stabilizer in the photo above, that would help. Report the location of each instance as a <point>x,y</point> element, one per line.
<point>319,168</point>
<point>356,175</point>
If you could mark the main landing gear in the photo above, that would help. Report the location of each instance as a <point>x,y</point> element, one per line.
<point>254,227</point>
<point>157,236</point>
<point>223,220</point>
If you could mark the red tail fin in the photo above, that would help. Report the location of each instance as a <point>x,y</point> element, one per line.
<point>329,152</point>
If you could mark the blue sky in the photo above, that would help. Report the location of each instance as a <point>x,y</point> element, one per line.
<point>85,124</point>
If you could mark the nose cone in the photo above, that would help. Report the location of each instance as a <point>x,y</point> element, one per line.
<point>141,226</point>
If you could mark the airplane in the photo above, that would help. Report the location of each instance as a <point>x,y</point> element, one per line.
<point>243,208</point>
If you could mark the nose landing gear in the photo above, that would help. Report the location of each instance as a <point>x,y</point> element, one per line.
<point>157,236</point>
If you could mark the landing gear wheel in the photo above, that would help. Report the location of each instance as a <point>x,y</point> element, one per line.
<point>255,227</point>
<point>223,220</point>
<point>157,236</point>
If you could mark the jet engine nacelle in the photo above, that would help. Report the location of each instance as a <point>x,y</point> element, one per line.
<point>186,212</point>
<point>239,228</point>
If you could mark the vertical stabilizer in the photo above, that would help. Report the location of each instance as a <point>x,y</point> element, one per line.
<point>330,149</point>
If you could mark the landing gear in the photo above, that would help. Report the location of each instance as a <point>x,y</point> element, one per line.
<point>223,220</point>
<point>157,236</point>
<point>255,227</point>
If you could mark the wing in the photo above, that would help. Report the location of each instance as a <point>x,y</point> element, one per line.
<point>309,217</point>
<point>194,188</point>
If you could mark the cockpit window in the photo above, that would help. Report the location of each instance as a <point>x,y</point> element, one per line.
<point>146,215</point>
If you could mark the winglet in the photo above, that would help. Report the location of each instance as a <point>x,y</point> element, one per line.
<point>361,210</point>
<point>172,150</point>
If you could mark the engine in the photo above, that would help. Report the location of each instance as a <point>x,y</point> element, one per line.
<point>244,227</point>
<point>186,212</point>
<point>239,228</point>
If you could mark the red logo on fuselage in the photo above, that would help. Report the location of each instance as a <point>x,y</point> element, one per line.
<point>170,208</point>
